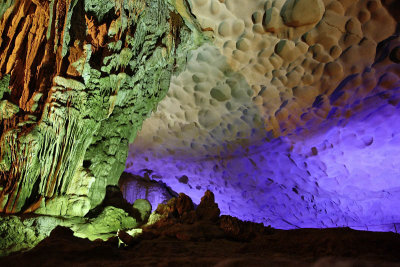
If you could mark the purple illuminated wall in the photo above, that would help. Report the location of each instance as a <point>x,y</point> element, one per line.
<point>344,171</point>
<point>344,175</point>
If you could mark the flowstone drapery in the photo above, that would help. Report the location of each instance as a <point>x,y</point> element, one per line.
<point>77,79</point>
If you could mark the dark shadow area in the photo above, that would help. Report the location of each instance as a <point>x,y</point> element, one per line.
<point>184,236</point>
<point>115,198</point>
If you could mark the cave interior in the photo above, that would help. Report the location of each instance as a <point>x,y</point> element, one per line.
<point>251,127</point>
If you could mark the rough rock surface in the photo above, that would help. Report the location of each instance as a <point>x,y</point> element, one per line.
<point>208,209</point>
<point>24,231</point>
<point>271,113</point>
<point>271,116</point>
<point>298,13</point>
<point>145,187</point>
<point>144,208</point>
<point>77,79</point>
<point>110,220</point>
<point>19,234</point>
<point>181,240</point>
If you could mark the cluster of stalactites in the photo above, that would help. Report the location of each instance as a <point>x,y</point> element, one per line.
<point>77,80</point>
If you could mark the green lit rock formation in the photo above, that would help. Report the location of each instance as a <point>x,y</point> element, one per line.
<point>20,233</point>
<point>77,79</point>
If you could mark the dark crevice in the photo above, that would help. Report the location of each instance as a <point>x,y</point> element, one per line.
<point>34,197</point>
<point>159,41</point>
<point>114,198</point>
<point>87,163</point>
<point>383,49</point>
<point>96,60</point>
<point>78,27</point>
<point>33,83</point>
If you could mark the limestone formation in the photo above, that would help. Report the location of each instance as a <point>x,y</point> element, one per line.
<point>20,235</point>
<point>136,187</point>
<point>144,208</point>
<point>208,209</point>
<point>298,13</point>
<point>273,74</point>
<point>77,79</point>
<point>288,110</point>
<point>284,99</point>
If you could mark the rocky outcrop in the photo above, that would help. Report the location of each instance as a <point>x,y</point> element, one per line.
<point>77,79</point>
<point>144,208</point>
<point>208,209</point>
<point>20,234</point>
<point>179,219</point>
<point>185,238</point>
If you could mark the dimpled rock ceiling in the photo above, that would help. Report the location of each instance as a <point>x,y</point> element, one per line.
<point>290,114</point>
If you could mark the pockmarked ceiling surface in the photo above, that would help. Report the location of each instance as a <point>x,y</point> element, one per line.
<point>290,114</point>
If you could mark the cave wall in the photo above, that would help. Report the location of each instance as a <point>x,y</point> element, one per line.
<point>290,114</point>
<point>287,110</point>
<point>77,79</point>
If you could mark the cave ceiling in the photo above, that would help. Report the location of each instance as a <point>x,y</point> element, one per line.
<point>290,114</point>
<point>287,110</point>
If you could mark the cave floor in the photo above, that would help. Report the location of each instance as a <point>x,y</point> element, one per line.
<point>302,247</point>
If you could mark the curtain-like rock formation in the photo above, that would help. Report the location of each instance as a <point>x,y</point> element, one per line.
<point>77,79</point>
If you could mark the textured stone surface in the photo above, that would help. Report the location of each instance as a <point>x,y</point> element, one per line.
<point>208,209</point>
<point>105,225</point>
<point>185,240</point>
<point>298,13</point>
<point>77,80</point>
<point>143,187</point>
<point>270,113</point>
<point>21,233</point>
<point>144,208</point>
<point>272,116</point>
<point>273,77</point>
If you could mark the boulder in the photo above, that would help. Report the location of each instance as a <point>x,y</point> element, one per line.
<point>144,208</point>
